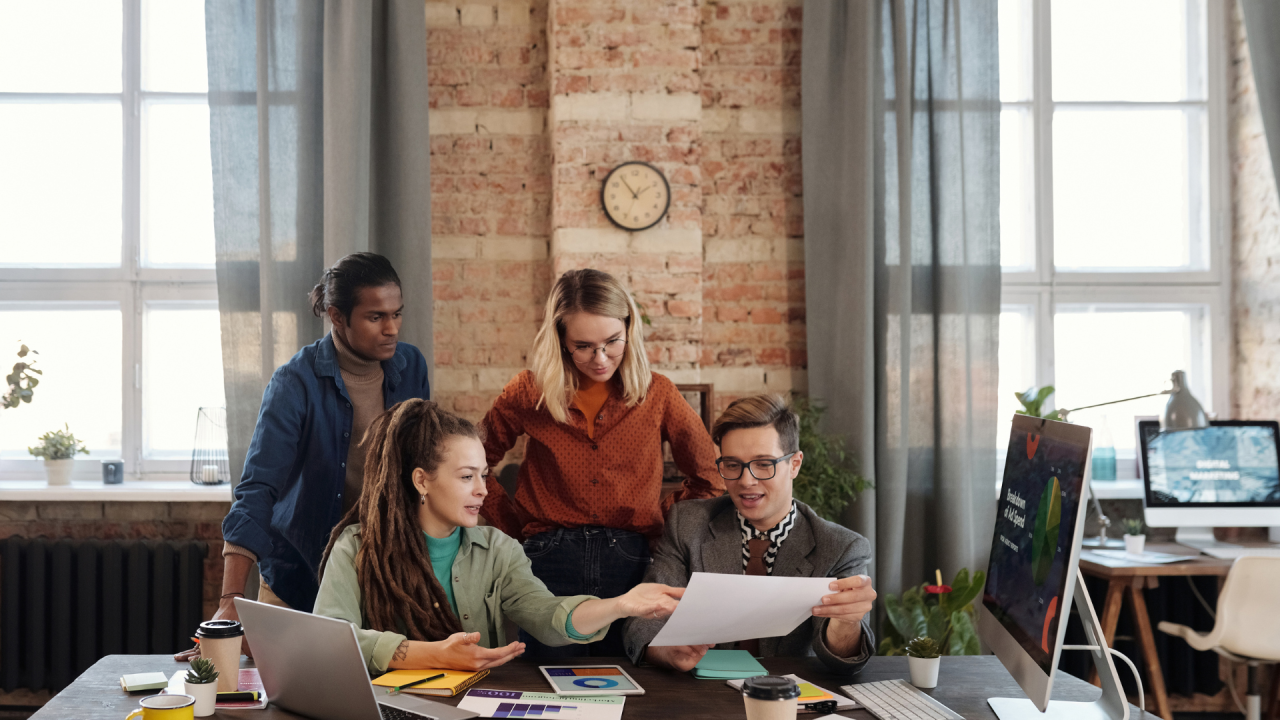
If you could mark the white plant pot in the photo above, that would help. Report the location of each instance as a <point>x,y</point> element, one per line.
<point>1133,544</point>
<point>59,471</point>
<point>924,671</point>
<point>206,695</point>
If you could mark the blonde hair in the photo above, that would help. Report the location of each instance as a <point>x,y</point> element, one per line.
<point>597,293</point>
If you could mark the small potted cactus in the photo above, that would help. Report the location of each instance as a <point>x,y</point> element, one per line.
<point>924,655</point>
<point>1134,539</point>
<point>202,684</point>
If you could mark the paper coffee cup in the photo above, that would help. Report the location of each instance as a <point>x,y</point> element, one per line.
<point>220,642</point>
<point>770,697</point>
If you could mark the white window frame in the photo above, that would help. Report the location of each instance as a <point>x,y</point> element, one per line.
<point>130,285</point>
<point>1043,288</point>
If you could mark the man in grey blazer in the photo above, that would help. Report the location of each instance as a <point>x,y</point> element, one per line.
<point>758,528</point>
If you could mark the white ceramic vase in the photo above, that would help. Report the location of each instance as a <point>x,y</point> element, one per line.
<point>924,671</point>
<point>206,695</point>
<point>59,471</point>
<point>1133,544</point>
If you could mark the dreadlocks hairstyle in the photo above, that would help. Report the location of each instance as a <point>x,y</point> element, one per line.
<point>393,565</point>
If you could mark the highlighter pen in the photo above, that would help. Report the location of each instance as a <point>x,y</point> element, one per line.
<point>396,690</point>
<point>239,696</point>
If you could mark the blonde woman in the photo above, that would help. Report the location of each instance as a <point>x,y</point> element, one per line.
<point>590,487</point>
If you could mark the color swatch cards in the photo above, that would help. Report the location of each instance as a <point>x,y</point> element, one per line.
<point>507,704</point>
<point>727,665</point>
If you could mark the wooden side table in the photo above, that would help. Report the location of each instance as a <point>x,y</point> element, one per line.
<point>1128,579</point>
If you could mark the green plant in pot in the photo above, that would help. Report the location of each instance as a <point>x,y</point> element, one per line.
<point>58,448</point>
<point>202,684</point>
<point>924,657</point>
<point>829,478</point>
<point>1134,538</point>
<point>943,613</point>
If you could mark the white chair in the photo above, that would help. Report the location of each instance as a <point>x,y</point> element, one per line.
<point>1246,627</point>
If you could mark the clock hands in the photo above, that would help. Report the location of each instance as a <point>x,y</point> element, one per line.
<point>633,192</point>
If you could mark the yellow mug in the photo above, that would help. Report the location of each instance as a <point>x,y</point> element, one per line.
<point>165,707</point>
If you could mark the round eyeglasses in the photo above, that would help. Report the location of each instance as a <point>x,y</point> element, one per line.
<point>612,350</point>
<point>764,469</point>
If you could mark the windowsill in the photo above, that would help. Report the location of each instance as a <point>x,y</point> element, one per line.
<point>128,491</point>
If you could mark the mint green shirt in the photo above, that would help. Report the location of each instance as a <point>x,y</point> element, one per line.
<point>491,580</point>
<point>443,551</point>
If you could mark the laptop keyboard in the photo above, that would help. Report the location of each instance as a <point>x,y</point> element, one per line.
<point>395,713</point>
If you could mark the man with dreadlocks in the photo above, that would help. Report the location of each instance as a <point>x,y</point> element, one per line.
<point>423,584</point>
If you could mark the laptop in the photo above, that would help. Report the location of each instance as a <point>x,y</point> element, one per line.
<point>312,666</point>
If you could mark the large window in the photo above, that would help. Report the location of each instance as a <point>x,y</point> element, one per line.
<point>106,228</point>
<point>1114,206</point>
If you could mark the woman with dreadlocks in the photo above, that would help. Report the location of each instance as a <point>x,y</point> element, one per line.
<point>427,588</point>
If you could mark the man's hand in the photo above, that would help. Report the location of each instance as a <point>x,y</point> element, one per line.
<point>852,599</point>
<point>676,657</point>
<point>459,651</point>
<point>226,611</point>
<point>649,600</point>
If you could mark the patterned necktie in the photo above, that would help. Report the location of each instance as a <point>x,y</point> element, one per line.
<point>755,566</point>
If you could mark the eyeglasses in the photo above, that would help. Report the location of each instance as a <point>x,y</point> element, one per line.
<point>731,468</point>
<point>612,350</point>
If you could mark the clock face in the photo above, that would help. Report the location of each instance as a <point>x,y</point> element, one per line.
<point>635,196</point>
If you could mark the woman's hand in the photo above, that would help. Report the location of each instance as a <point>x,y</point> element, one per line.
<point>459,651</point>
<point>649,600</point>
<point>677,657</point>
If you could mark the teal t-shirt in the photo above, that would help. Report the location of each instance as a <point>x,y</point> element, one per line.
<point>443,551</point>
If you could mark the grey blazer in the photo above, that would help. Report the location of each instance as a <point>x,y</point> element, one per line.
<point>704,536</point>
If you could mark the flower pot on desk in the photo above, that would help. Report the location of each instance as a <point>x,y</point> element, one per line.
<point>924,671</point>
<point>1133,544</point>
<point>59,471</point>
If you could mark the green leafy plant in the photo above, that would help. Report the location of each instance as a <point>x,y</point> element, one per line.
<point>202,672</point>
<point>1044,537</point>
<point>1133,526</point>
<point>946,617</point>
<point>924,647</point>
<point>829,478</point>
<point>1033,403</point>
<point>58,445</point>
<point>22,381</point>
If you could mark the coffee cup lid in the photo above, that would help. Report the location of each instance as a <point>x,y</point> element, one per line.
<point>770,687</point>
<point>215,629</point>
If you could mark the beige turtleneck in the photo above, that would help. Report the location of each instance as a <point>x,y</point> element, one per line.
<point>363,380</point>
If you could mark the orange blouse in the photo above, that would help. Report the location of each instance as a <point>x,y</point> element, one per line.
<point>568,479</point>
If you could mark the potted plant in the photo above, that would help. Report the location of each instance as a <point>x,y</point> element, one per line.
<point>58,448</point>
<point>924,656</point>
<point>1033,403</point>
<point>829,478</point>
<point>942,612</point>
<point>202,684</point>
<point>1134,539</point>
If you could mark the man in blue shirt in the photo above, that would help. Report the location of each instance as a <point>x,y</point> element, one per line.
<point>304,468</point>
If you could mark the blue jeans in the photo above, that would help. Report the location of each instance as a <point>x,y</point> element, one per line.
<point>586,561</point>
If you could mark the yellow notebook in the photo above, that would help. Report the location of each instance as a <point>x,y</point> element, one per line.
<point>453,682</point>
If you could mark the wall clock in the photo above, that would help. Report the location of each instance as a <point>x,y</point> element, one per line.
<point>635,196</point>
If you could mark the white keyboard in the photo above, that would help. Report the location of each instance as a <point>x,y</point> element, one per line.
<point>1239,551</point>
<point>898,700</point>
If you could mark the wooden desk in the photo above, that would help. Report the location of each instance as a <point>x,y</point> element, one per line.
<point>1129,579</point>
<point>964,684</point>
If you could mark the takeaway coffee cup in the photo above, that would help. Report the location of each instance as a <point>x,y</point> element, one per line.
<point>220,642</point>
<point>770,697</point>
<point>165,707</point>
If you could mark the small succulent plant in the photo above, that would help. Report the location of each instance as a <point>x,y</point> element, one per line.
<point>1133,526</point>
<point>924,647</point>
<point>202,672</point>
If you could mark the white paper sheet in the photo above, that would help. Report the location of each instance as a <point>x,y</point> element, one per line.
<point>724,608</point>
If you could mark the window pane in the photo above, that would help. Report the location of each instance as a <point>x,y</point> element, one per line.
<point>173,58</point>
<point>80,355</point>
<point>60,184</point>
<point>1017,364</point>
<point>1102,355</point>
<point>1017,190</point>
<point>182,367</point>
<point>1129,189</point>
<point>1015,50</point>
<point>64,46</point>
<point>1150,50</point>
<point>177,185</point>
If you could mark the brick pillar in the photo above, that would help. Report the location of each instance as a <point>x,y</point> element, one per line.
<point>625,85</point>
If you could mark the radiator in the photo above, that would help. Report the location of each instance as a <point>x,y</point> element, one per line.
<point>65,604</point>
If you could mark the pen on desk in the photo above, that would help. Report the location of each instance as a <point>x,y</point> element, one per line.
<point>396,690</point>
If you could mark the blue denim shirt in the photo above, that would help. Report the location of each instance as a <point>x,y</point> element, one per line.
<point>290,495</point>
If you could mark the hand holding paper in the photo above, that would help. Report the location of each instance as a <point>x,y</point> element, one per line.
<point>725,608</point>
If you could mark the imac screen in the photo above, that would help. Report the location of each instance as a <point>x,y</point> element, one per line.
<point>1035,528</point>
<point>1222,464</point>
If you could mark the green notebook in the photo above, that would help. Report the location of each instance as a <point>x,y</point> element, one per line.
<point>728,665</point>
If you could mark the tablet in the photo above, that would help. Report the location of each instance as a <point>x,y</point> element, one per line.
<point>590,680</point>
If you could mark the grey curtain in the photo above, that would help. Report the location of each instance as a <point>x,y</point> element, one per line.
<point>901,149</point>
<point>318,133</point>
<point>1262,26</point>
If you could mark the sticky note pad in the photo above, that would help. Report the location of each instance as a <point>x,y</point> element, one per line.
<point>144,681</point>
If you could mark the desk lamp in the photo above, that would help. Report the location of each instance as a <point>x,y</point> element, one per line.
<point>1182,412</point>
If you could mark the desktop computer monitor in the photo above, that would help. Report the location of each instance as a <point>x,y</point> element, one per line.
<point>1032,577</point>
<point>1225,475</point>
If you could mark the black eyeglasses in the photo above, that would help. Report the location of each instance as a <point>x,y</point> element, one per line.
<point>731,468</point>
